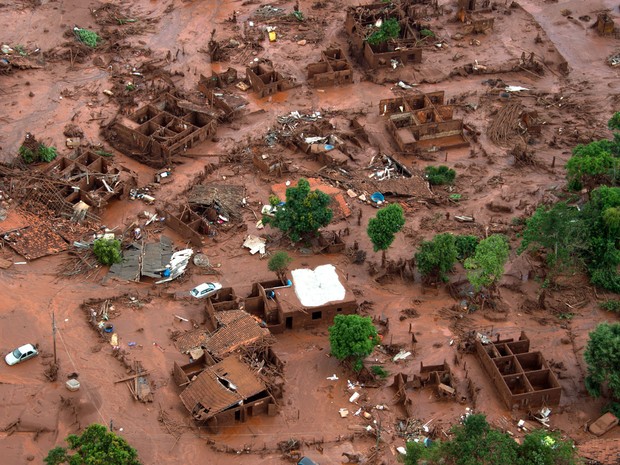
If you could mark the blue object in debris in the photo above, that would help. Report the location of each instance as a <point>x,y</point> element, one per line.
<point>271,294</point>
<point>377,197</point>
<point>428,442</point>
<point>108,328</point>
<point>166,273</point>
<point>289,283</point>
<point>328,147</point>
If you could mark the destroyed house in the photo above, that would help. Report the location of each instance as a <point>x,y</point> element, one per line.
<point>265,80</point>
<point>161,130</point>
<point>362,20</point>
<point>422,122</point>
<point>89,178</point>
<point>332,69</point>
<point>228,390</point>
<point>313,297</point>
<point>474,14</point>
<point>522,378</point>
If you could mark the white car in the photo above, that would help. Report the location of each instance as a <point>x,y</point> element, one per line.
<point>205,290</point>
<point>21,354</point>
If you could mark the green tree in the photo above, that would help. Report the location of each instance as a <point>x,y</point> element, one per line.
<point>592,164</point>
<point>560,231</point>
<point>436,258</point>
<point>278,263</point>
<point>465,246</point>
<point>602,355</point>
<point>438,175</point>
<point>304,212</point>
<point>95,446</point>
<point>487,263</point>
<point>476,443</point>
<point>352,337</point>
<point>546,448</point>
<point>614,122</point>
<point>382,228</point>
<point>107,251</point>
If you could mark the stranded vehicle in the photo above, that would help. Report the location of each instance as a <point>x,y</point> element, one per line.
<point>205,290</point>
<point>21,354</point>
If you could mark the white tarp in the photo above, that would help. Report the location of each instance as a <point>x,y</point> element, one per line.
<point>317,287</point>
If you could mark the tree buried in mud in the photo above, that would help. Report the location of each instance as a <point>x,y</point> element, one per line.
<point>602,355</point>
<point>437,257</point>
<point>384,226</point>
<point>96,445</point>
<point>475,442</point>
<point>278,264</point>
<point>107,251</point>
<point>304,212</point>
<point>487,263</point>
<point>352,338</point>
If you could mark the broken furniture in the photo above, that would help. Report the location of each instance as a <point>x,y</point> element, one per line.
<point>332,69</point>
<point>522,378</point>
<point>265,80</point>
<point>158,132</point>
<point>422,122</point>
<point>605,24</point>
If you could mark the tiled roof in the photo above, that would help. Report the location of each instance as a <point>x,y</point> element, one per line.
<point>190,340</point>
<point>36,241</point>
<point>238,328</point>
<point>211,391</point>
<point>604,451</point>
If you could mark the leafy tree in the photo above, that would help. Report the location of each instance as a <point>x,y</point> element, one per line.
<point>384,226</point>
<point>95,446</point>
<point>42,153</point>
<point>352,337</point>
<point>602,355</point>
<point>107,251</point>
<point>592,164</point>
<point>465,246</point>
<point>560,231</point>
<point>546,448</point>
<point>389,29</point>
<point>614,122</point>
<point>476,443</point>
<point>304,212</point>
<point>487,264</point>
<point>436,258</point>
<point>438,175</point>
<point>278,263</point>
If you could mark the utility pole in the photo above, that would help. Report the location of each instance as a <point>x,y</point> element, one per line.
<point>54,336</point>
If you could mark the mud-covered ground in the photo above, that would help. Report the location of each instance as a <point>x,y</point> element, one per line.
<point>62,84</point>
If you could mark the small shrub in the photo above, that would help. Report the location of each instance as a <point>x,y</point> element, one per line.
<point>465,246</point>
<point>389,29</point>
<point>439,175</point>
<point>87,37</point>
<point>613,407</point>
<point>455,197</point>
<point>611,305</point>
<point>427,33</point>
<point>379,371</point>
<point>103,153</point>
<point>107,251</point>
<point>46,153</point>
<point>27,155</point>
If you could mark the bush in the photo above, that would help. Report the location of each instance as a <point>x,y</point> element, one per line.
<point>439,175</point>
<point>87,37</point>
<point>379,371</point>
<point>46,153</point>
<point>611,305</point>
<point>43,153</point>
<point>465,246</point>
<point>389,29</point>
<point>108,251</point>
<point>436,258</point>
<point>96,445</point>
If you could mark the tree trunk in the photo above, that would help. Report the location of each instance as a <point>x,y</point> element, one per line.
<point>383,259</point>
